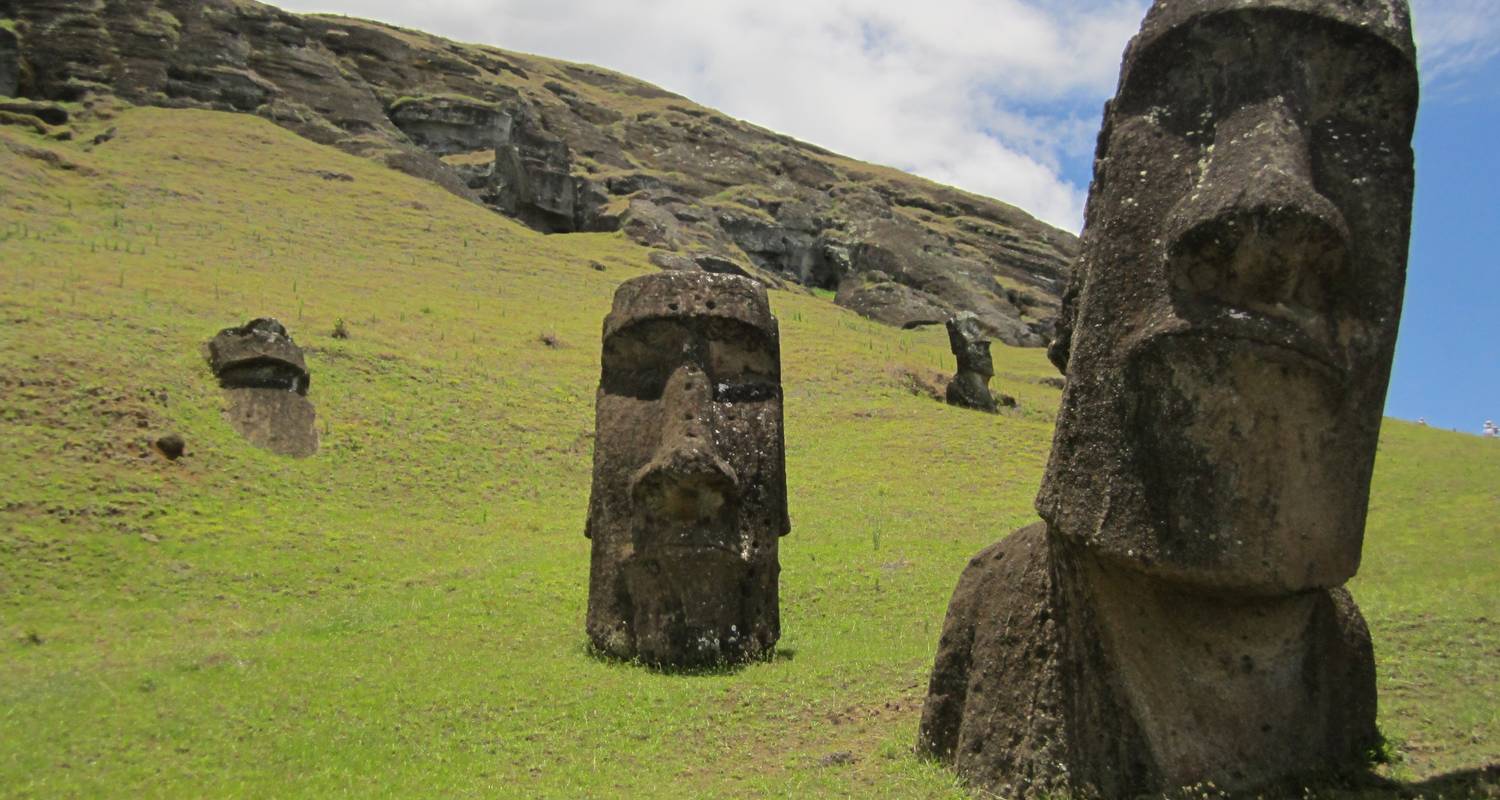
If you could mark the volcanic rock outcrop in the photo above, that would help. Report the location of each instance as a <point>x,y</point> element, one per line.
<point>1180,615</point>
<point>563,147</point>
<point>689,488</point>
<point>970,387</point>
<point>265,378</point>
<point>10,63</point>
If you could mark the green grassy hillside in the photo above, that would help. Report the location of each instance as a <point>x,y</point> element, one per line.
<point>403,613</point>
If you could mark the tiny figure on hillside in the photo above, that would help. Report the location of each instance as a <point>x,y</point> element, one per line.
<point>970,387</point>
<point>1490,430</point>
<point>689,490</point>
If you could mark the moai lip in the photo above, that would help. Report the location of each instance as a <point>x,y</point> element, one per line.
<point>1179,617</point>
<point>689,487</point>
<point>265,378</point>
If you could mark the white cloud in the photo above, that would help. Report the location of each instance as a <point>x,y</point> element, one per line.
<point>1455,36</point>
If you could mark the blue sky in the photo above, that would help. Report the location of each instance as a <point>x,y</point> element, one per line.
<point>1003,97</point>
<point>1448,357</point>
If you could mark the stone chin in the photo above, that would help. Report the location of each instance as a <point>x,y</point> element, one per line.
<point>1252,462</point>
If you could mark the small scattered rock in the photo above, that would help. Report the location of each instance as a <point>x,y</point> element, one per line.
<point>598,267</point>
<point>839,759</point>
<point>171,446</point>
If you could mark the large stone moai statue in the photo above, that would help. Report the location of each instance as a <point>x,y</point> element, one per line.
<point>689,492</point>
<point>1179,616</point>
<point>970,387</point>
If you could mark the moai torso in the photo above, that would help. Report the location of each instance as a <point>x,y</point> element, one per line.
<point>689,488</point>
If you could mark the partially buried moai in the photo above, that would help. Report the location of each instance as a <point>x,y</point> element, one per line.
<point>265,378</point>
<point>689,489</point>
<point>1179,617</point>
<point>970,386</point>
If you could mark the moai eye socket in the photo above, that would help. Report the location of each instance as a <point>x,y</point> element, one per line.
<point>638,360</point>
<point>742,364</point>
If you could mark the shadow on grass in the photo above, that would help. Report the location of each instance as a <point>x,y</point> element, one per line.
<point>1480,783</point>
<point>716,669</point>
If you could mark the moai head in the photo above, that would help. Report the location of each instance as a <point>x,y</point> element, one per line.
<point>258,355</point>
<point>689,492</point>
<point>970,345</point>
<point>1238,294</point>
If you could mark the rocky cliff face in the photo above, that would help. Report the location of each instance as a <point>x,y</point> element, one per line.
<point>562,147</point>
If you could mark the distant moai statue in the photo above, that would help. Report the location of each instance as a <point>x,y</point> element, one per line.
<point>689,490</point>
<point>970,387</point>
<point>1179,617</point>
<point>266,380</point>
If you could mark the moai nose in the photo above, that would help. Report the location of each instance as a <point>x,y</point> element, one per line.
<point>1255,231</point>
<point>686,480</point>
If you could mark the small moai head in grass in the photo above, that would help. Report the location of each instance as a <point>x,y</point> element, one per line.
<point>1229,336</point>
<point>689,486</point>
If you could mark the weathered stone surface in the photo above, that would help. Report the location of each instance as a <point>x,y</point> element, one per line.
<point>561,147</point>
<point>448,125</point>
<point>258,354</point>
<point>10,64</point>
<point>1179,617</point>
<point>265,379</point>
<point>892,303</point>
<point>282,422</point>
<point>50,113</point>
<point>533,178</point>
<point>970,387</point>
<point>689,486</point>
